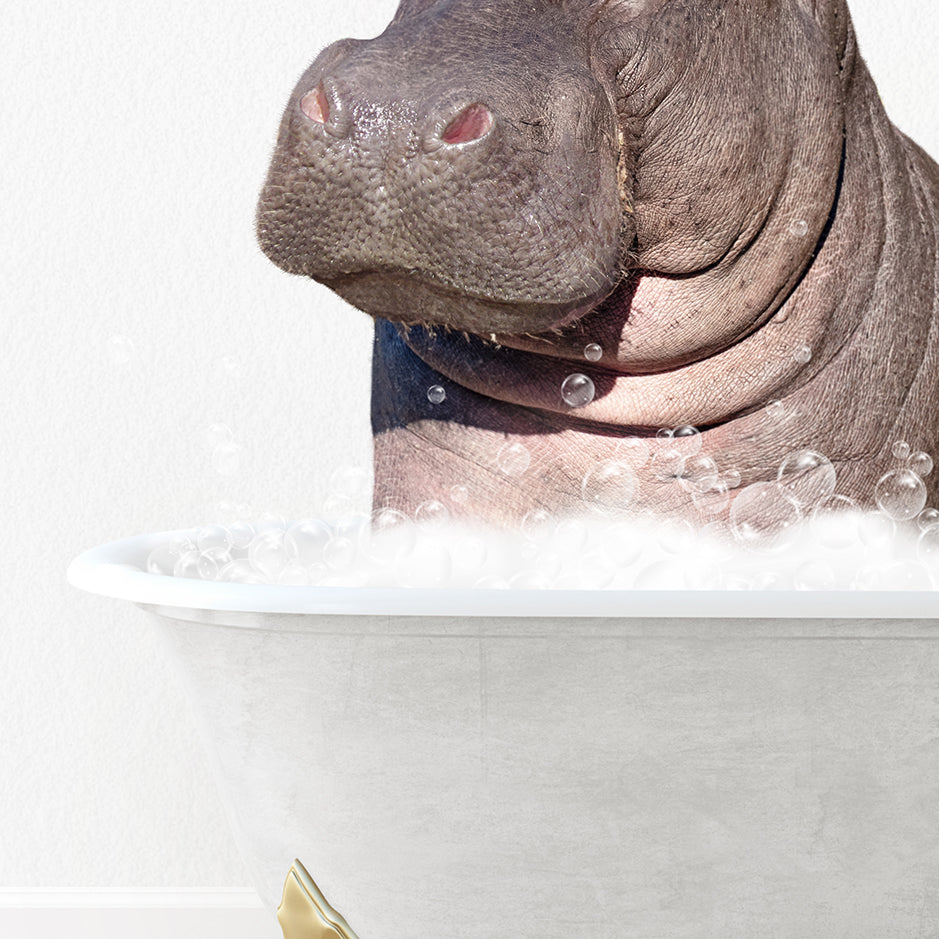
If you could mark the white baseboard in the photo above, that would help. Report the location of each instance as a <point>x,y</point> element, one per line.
<point>135,914</point>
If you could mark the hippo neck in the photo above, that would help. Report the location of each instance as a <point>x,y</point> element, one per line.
<point>866,299</point>
<point>779,353</point>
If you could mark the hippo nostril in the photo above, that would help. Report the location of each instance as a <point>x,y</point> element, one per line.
<point>315,104</point>
<point>473,122</point>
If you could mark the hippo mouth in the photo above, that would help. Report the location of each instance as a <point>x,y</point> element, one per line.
<point>413,300</point>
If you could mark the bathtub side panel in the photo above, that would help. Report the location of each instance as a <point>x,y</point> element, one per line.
<point>543,786</point>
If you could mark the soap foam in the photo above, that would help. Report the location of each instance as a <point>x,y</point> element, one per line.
<point>829,551</point>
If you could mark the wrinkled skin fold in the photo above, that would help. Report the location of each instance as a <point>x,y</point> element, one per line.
<point>710,192</point>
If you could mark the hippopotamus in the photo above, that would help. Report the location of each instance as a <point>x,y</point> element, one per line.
<point>653,248</point>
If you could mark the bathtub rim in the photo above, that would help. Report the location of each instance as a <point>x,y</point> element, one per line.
<point>116,570</point>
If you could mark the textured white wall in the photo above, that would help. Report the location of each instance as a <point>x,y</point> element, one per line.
<point>134,139</point>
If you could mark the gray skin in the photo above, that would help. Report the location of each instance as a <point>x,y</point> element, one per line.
<point>701,188</point>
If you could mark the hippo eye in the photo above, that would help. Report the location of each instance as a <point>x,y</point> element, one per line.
<point>471,123</point>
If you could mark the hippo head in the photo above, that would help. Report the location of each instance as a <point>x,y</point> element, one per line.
<point>502,167</point>
<point>459,169</point>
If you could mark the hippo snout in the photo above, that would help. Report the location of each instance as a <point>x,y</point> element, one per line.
<point>444,126</point>
<point>432,177</point>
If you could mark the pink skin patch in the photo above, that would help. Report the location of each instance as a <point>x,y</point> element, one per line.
<point>315,106</point>
<point>471,123</point>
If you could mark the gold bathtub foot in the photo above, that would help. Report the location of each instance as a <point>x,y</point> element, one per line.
<point>304,913</point>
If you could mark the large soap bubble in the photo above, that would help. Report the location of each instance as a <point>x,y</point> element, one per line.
<point>609,487</point>
<point>807,477</point>
<point>901,494</point>
<point>763,515</point>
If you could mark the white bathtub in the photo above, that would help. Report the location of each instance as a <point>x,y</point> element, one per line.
<point>548,765</point>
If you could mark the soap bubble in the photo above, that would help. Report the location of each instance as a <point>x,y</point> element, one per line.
<point>928,518</point>
<point>901,494</point>
<point>349,488</point>
<point>687,439</point>
<point>225,511</point>
<point>738,580</point>
<point>240,534</point>
<point>218,556</point>
<point>927,545</point>
<point>294,575</point>
<point>731,478</point>
<point>772,580</point>
<point>877,531</point>
<point>609,487</point>
<point>162,559</point>
<point>632,450</point>
<point>339,553</point>
<point>668,462</point>
<point>763,515</point>
<point>306,540</point>
<point>351,526</point>
<point>121,349</point>
<point>901,449</point>
<point>530,580</point>
<point>240,571</point>
<point>702,574</point>
<point>700,474</point>
<point>268,552</point>
<point>459,494</point>
<point>921,464</point>
<point>352,483</point>
<point>513,459</point>
<point>538,525</point>
<point>806,476</point>
<point>775,410</point>
<point>187,565</point>
<point>802,354</point>
<point>834,522</point>
<point>436,394</point>
<point>799,227</point>
<point>431,512</point>
<point>573,534</point>
<point>593,351</point>
<point>271,521</point>
<point>226,458</point>
<point>816,574</point>
<point>213,536</point>
<point>391,535</point>
<point>337,506</point>
<point>577,390</point>
<point>660,575</point>
<point>907,574</point>
<point>664,433</point>
<point>210,561</point>
<point>713,499</point>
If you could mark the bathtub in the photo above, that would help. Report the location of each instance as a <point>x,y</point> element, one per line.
<point>548,764</point>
